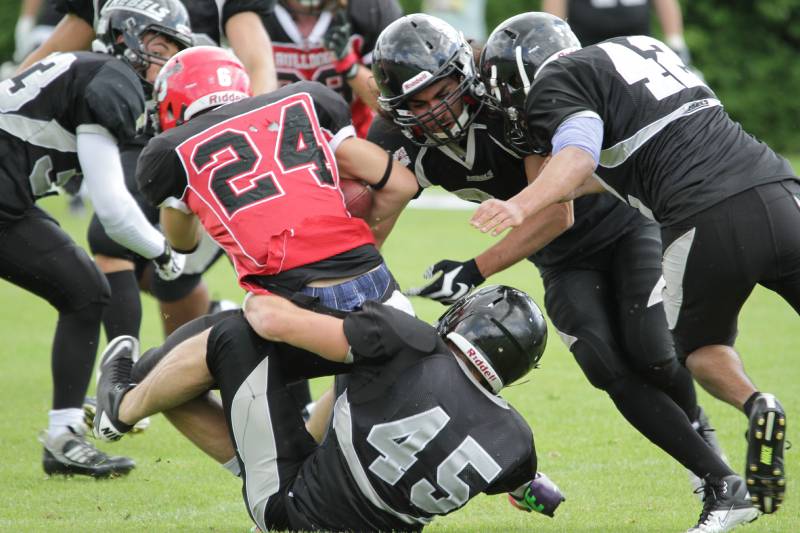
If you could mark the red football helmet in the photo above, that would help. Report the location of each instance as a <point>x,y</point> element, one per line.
<point>195,79</point>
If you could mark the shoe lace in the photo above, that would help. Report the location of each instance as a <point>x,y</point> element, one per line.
<point>121,370</point>
<point>709,499</point>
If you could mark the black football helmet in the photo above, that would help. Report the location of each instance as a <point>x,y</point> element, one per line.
<point>121,24</point>
<point>500,330</point>
<point>514,54</point>
<point>414,52</point>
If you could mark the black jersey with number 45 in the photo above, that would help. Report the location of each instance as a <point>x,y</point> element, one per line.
<point>669,149</point>
<point>413,434</point>
<point>484,167</point>
<point>43,108</point>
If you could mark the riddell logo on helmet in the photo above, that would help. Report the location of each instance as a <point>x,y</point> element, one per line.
<point>145,7</point>
<point>224,98</point>
<point>482,365</point>
<point>412,83</point>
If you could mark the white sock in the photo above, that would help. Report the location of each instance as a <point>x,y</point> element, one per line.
<point>232,466</point>
<point>60,419</point>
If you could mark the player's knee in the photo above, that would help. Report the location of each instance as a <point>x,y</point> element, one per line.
<point>101,244</point>
<point>599,361</point>
<point>661,374</point>
<point>83,286</point>
<point>174,290</point>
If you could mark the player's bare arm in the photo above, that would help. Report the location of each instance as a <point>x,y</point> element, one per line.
<point>181,229</point>
<point>564,174</point>
<point>361,159</point>
<point>277,319</point>
<point>252,45</point>
<point>72,33</point>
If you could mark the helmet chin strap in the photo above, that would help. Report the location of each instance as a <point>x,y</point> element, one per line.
<point>457,128</point>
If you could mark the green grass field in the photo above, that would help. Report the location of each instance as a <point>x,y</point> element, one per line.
<point>614,480</point>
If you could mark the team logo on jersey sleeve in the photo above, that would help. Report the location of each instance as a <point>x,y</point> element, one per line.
<point>145,7</point>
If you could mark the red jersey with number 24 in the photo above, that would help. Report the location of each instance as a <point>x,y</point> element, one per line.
<point>261,176</point>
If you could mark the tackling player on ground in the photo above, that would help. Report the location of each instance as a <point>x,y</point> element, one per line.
<point>400,448</point>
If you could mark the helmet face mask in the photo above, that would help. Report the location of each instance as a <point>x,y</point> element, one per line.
<point>123,25</point>
<point>415,53</point>
<point>499,330</point>
<point>307,7</point>
<point>514,54</point>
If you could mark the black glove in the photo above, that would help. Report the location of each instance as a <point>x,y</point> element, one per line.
<point>455,280</point>
<point>338,40</point>
<point>169,265</point>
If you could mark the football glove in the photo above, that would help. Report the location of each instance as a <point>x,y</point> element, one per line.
<point>338,40</point>
<point>169,265</point>
<point>540,495</point>
<point>454,281</point>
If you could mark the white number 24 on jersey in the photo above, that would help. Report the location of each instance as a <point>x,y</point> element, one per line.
<point>400,441</point>
<point>665,75</point>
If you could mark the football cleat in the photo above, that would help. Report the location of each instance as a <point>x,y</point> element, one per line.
<point>90,410</point>
<point>70,453</point>
<point>726,504</point>
<point>703,427</point>
<point>113,381</point>
<point>766,478</point>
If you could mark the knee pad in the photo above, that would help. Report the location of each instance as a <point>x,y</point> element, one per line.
<point>661,374</point>
<point>177,289</point>
<point>101,244</point>
<point>80,283</point>
<point>601,362</point>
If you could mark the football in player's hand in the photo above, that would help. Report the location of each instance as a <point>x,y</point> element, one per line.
<point>357,197</point>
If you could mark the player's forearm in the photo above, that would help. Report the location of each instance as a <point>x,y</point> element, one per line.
<point>182,230</point>
<point>671,18</point>
<point>71,33</point>
<point>362,85</point>
<point>277,319</point>
<point>115,207</point>
<point>555,7</point>
<point>253,47</point>
<point>528,238</point>
<point>361,159</point>
<point>558,182</point>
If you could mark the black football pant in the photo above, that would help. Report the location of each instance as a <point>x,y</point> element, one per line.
<point>714,259</point>
<point>267,430</point>
<point>608,311</point>
<point>38,256</point>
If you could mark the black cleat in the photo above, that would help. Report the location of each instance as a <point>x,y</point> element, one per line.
<point>766,433</point>
<point>113,381</point>
<point>70,453</point>
<point>726,504</point>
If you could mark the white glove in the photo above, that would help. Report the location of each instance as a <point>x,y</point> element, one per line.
<point>169,265</point>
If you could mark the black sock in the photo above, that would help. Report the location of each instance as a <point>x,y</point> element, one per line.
<point>656,416</point>
<point>74,351</point>
<point>123,316</point>
<point>748,405</point>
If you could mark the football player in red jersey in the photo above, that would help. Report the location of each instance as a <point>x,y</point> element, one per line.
<point>331,41</point>
<point>261,175</point>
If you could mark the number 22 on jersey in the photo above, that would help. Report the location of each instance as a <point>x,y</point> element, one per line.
<point>275,151</point>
